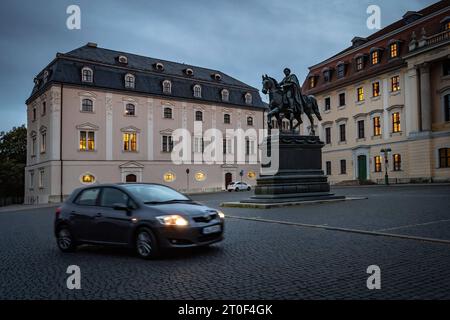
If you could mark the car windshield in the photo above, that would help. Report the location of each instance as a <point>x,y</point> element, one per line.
<point>154,194</point>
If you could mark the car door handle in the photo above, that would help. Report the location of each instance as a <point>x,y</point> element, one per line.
<point>98,215</point>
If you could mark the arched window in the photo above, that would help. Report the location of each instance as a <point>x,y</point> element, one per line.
<point>129,81</point>
<point>130,109</point>
<point>167,86</point>
<point>86,74</point>
<point>197,91</point>
<point>248,98</point>
<point>226,118</point>
<point>87,178</point>
<point>167,113</point>
<point>87,105</point>
<point>225,95</point>
<point>249,121</point>
<point>198,116</point>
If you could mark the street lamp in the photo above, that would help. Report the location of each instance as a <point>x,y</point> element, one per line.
<point>241,174</point>
<point>187,179</point>
<point>386,156</point>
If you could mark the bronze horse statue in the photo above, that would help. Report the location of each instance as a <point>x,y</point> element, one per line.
<point>278,105</point>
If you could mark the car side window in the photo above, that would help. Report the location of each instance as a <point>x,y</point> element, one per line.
<point>88,197</point>
<point>113,196</point>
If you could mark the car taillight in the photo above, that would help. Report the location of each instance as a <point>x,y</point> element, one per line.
<point>58,212</point>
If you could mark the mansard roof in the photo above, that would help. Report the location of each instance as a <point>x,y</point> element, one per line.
<point>109,72</point>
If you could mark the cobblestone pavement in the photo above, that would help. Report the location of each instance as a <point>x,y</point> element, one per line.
<point>257,260</point>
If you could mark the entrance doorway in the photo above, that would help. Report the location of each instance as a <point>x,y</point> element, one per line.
<point>362,168</point>
<point>228,179</point>
<point>131,178</point>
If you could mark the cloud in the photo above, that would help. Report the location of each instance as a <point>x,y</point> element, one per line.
<point>243,38</point>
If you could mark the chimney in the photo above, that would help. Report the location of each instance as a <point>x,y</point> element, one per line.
<point>92,44</point>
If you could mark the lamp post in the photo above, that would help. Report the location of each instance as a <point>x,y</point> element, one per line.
<point>386,155</point>
<point>187,179</point>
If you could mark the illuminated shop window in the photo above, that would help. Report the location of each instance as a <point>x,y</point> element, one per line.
<point>169,177</point>
<point>200,176</point>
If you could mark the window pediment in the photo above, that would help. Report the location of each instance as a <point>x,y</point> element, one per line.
<point>130,129</point>
<point>87,126</point>
<point>131,165</point>
<point>339,120</point>
<point>166,131</point>
<point>377,111</point>
<point>395,107</point>
<point>359,115</point>
<point>42,129</point>
<point>33,134</point>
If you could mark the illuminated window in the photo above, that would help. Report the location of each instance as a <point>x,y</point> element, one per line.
<point>447,26</point>
<point>393,50</point>
<point>129,81</point>
<point>200,176</point>
<point>87,140</point>
<point>376,89</point>
<point>130,109</point>
<point>167,87</point>
<point>129,141</point>
<point>377,161</point>
<point>444,158</point>
<point>376,126</point>
<point>167,144</point>
<point>167,113</point>
<point>360,94</point>
<point>397,162</point>
<point>396,122</point>
<point>87,105</point>
<point>375,57</point>
<point>87,178</point>
<point>251,175</point>
<point>312,82</point>
<point>395,83</point>
<point>169,177</point>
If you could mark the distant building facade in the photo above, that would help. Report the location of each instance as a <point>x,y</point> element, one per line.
<point>390,91</point>
<point>98,116</point>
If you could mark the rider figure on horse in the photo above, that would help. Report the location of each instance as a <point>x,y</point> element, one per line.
<point>292,91</point>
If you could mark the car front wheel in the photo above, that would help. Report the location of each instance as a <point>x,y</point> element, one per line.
<point>248,189</point>
<point>146,245</point>
<point>65,240</point>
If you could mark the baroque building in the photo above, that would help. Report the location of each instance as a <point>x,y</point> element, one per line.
<point>385,102</point>
<point>102,116</point>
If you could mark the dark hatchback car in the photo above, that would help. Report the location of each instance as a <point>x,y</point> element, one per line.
<point>145,217</point>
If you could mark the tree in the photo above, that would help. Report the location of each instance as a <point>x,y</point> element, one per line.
<point>13,156</point>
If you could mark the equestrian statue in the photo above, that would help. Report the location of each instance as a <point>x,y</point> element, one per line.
<point>287,101</point>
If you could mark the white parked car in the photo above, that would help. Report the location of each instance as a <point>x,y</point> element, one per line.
<point>238,186</point>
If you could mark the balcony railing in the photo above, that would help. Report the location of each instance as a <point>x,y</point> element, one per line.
<point>440,37</point>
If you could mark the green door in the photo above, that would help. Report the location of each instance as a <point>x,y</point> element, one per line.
<point>362,168</point>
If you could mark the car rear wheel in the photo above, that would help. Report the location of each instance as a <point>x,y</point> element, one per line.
<point>146,244</point>
<point>248,189</point>
<point>65,240</point>
<point>237,189</point>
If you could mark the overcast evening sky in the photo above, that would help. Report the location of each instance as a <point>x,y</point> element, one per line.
<point>243,38</point>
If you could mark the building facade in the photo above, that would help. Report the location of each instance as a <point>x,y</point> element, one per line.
<point>385,102</point>
<point>100,116</point>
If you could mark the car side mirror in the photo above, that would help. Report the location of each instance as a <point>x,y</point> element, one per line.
<point>121,206</point>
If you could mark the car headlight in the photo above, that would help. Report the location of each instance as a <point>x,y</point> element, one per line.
<point>173,220</point>
<point>221,214</point>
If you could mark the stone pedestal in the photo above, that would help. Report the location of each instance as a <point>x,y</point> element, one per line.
<point>299,177</point>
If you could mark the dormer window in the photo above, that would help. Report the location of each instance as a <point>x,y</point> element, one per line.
<point>375,56</point>
<point>189,72</point>
<point>446,23</point>
<point>340,70</point>
<point>248,98</point>
<point>45,76</point>
<point>167,87</point>
<point>197,91</point>
<point>225,95</point>
<point>159,66</point>
<point>394,49</point>
<point>122,59</point>
<point>36,81</point>
<point>216,76</point>
<point>129,81</point>
<point>359,62</point>
<point>87,74</point>
<point>327,74</point>
<point>312,82</point>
